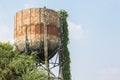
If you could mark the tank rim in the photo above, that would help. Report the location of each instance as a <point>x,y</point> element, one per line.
<point>35,8</point>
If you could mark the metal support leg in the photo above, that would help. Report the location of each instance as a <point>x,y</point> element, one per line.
<point>46,45</point>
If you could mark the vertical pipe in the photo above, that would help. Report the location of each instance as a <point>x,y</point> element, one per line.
<point>26,46</point>
<point>46,44</point>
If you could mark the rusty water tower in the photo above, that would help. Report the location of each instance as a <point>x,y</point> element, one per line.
<point>39,29</point>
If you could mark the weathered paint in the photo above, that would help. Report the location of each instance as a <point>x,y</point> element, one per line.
<point>32,21</point>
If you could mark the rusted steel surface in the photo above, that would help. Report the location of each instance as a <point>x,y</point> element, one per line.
<point>32,21</point>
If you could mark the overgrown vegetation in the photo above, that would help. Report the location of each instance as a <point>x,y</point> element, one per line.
<point>16,66</point>
<point>66,55</point>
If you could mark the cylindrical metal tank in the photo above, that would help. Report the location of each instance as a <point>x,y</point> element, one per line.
<point>29,28</point>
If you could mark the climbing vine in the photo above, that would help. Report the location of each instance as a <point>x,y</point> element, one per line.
<point>65,39</point>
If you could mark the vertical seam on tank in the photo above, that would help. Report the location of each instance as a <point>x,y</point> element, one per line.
<point>58,28</point>
<point>35,24</point>
<point>43,22</point>
<point>30,29</point>
<point>22,20</point>
<point>39,25</point>
<point>47,21</point>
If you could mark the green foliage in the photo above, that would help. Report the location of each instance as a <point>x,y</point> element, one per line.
<point>66,55</point>
<point>16,66</point>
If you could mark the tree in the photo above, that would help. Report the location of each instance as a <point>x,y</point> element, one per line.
<point>65,39</point>
<point>16,66</point>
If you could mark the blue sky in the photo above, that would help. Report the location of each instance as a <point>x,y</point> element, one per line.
<point>94,34</point>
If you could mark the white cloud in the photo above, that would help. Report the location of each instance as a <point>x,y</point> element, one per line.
<point>76,32</point>
<point>77,35</point>
<point>109,74</point>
